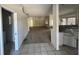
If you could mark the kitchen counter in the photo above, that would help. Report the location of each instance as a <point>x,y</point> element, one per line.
<point>62,28</point>
<point>69,33</point>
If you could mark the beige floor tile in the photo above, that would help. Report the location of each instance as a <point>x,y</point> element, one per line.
<point>61,53</point>
<point>50,52</point>
<point>38,43</point>
<point>44,53</point>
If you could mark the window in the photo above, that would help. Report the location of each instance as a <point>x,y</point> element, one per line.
<point>71,21</point>
<point>63,21</point>
<point>68,21</point>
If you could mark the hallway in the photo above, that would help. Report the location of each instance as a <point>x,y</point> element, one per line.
<point>38,35</point>
<point>38,43</point>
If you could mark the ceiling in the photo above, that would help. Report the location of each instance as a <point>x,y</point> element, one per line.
<point>44,9</point>
<point>37,9</point>
<point>67,8</point>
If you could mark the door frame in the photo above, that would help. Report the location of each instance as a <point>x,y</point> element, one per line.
<point>15,29</point>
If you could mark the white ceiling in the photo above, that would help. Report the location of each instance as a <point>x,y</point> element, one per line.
<point>68,8</point>
<point>44,9</point>
<point>37,9</point>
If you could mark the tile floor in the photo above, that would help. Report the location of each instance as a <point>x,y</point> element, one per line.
<point>37,49</point>
<point>42,49</point>
<point>38,43</point>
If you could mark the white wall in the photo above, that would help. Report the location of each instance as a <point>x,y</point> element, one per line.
<point>21,22</point>
<point>55,29</point>
<point>22,28</point>
<point>50,20</point>
<point>37,21</point>
<point>30,21</point>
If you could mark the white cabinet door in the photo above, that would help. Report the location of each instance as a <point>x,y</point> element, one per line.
<point>60,38</point>
<point>69,40</point>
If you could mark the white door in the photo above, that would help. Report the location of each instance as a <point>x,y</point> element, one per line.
<point>1,34</point>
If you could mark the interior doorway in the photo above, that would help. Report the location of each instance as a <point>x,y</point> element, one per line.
<point>7,23</point>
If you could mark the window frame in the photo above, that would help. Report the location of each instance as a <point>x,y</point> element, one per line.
<point>67,20</point>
